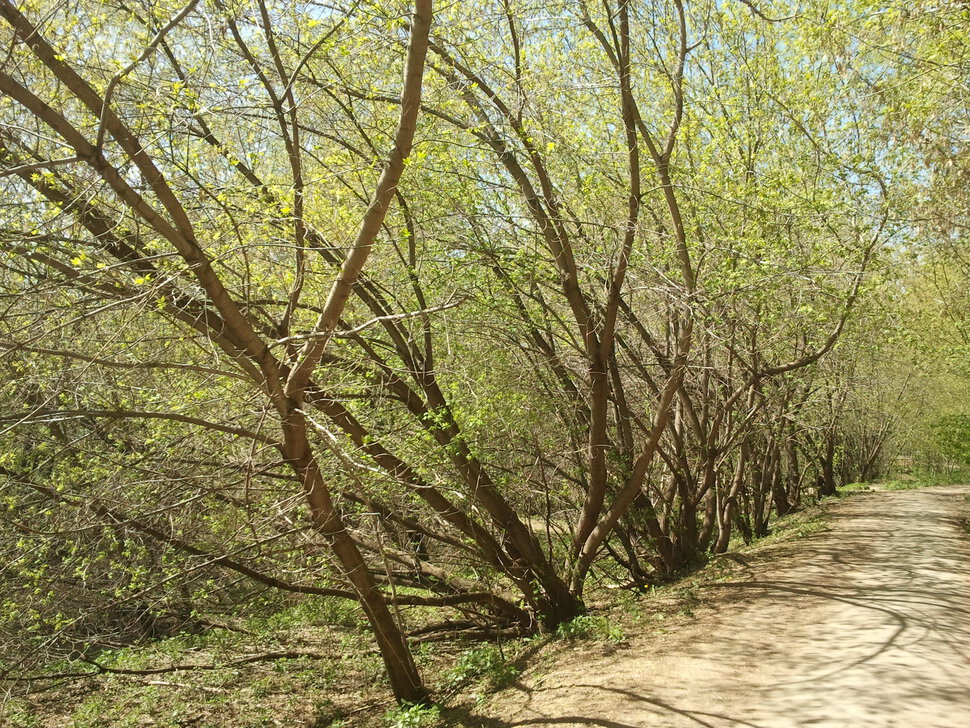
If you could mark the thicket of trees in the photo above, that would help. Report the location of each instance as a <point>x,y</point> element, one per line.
<point>457,305</point>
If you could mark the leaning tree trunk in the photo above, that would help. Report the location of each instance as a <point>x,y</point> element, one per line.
<point>727,509</point>
<point>827,480</point>
<point>406,683</point>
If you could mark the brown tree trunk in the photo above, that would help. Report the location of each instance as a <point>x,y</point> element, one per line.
<point>827,480</point>
<point>779,493</point>
<point>406,683</point>
<point>726,515</point>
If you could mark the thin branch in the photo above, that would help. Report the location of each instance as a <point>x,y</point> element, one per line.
<point>370,226</point>
<point>11,346</point>
<point>47,416</point>
<point>349,333</point>
<point>754,9</point>
<point>149,49</point>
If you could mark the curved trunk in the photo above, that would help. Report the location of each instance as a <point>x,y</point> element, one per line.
<point>406,683</point>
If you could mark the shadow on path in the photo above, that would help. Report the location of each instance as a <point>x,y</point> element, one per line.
<point>866,624</point>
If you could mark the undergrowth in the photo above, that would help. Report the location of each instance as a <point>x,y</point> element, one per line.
<point>341,682</point>
<point>917,478</point>
<point>413,716</point>
<point>927,478</point>
<point>591,627</point>
<point>487,664</point>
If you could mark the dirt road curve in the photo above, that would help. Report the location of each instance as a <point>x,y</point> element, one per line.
<point>866,624</point>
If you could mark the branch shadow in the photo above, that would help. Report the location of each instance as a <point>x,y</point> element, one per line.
<point>872,616</point>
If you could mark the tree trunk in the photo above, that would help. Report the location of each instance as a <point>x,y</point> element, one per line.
<point>779,493</point>
<point>726,515</point>
<point>406,683</point>
<point>827,479</point>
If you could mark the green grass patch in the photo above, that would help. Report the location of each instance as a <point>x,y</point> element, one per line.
<point>855,487</point>
<point>795,525</point>
<point>911,480</point>
<point>413,716</point>
<point>926,479</point>
<point>591,627</point>
<point>19,714</point>
<point>487,663</point>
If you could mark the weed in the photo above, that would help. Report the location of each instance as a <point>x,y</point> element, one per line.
<point>926,478</point>
<point>689,600</point>
<point>631,602</point>
<point>907,484</point>
<point>589,627</point>
<point>326,714</point>
<point>91,712</point>
<point>19,714</point>
<point>792,526</point>
<point>262,687</point>
<point>488,663</point>
<point>316,612</point>
<point>413,716</point>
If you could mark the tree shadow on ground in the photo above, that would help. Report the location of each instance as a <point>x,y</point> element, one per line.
<point>863,625</point>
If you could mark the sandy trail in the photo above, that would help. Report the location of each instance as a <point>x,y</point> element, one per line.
<point>865,624</point>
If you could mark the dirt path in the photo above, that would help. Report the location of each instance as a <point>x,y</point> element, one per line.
<point>865,624</point>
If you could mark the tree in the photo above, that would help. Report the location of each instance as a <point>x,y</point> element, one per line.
<point>569,320</point>
<point>141,212</point>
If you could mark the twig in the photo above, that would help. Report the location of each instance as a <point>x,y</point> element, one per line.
<point>206,688</point>
<point>371,322</point>
<point>754,9</point>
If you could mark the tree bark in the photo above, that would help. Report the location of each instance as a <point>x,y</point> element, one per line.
<point>406,683</point>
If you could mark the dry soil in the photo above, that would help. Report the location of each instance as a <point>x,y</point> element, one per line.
<point>864,624</point>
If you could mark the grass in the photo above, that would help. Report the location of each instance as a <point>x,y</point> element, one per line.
<point>413,716</point>
<point>336,675</point>
<point>338,683</point>
<point>925,479</point>
<point>341,681</point>
<point>487,664</point>
<point>917,479</point>
<point>797,524</point>
<point>855,488</point>
<point>911,480</point>
<point>591,627</point>
<point>18,714</point>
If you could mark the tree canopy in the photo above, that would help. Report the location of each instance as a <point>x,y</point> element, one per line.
<point>459,307</point>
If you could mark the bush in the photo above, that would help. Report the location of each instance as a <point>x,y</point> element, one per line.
<point>951,435</point>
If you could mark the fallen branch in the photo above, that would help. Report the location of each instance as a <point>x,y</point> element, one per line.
<point>103,669</point>
<point>206,688</point>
